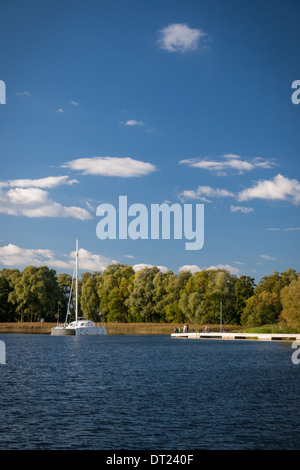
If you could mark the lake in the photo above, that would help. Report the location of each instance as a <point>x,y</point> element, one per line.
<point>147,392</point>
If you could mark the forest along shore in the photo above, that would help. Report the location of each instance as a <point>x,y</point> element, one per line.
<point>112,328</point>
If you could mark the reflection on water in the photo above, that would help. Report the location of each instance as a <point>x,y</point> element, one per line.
<point>147,392</point>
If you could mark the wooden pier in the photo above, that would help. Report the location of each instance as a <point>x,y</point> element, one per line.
<point>242,336</point>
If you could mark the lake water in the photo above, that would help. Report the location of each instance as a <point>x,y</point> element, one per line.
<point>147,392</point>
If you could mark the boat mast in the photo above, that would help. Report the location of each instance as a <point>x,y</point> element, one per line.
<point>76,268</point>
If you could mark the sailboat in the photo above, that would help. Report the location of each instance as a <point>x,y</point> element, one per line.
<point>79,326</point>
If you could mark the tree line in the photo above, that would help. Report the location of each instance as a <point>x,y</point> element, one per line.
<point>119,294</point>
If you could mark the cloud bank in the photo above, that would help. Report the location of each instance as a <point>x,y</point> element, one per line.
<point>34,202</point>
<point>279,188</point>
<point>12,255</point>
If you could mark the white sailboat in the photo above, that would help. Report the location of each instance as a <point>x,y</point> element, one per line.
<point>79,326</point>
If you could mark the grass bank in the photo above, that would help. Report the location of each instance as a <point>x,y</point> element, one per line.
<point>112,328</point>
<point>275,329</point>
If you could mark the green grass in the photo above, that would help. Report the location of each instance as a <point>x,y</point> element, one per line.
<point>276,328</point>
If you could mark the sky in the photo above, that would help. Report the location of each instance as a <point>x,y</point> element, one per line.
<point>175,102</point>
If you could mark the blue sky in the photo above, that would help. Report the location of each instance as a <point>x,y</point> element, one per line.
<point>161,101</point>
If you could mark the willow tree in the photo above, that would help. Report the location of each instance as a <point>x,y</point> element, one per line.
<point>290,299</point>
<point>141,301</point>
<point>7,309</point>
<point>114,288</point>
<point>89,299</point>
<point>35,293</point>
<point>261,309</point>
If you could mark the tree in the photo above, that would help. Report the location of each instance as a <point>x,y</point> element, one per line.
<point>89,299</point>
<point>114,290</point>
<point>7,309</point>
<point>193,302</point>
<point>64,284</point>
<point>275,282</point>
<point>261,309</point>
<point>290,299</point>
<point>244,289</point>
<point>141,300</point>
<point>203,294</point>
<point>166,295</point>
<point>221,288</point>
<point>35,293</point>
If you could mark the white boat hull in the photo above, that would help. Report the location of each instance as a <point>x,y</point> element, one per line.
<point>62,331</point>
<point>78,331</point>
<point>96,330</point>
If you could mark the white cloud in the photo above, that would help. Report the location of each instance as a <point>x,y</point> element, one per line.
<point>193,268</point>
<point>91,261</point>
<point>138,267</point>
<point>203,192</point>
<point>132,122</point>
<point>111,166</point>
<point>280,188</point>
<point>48,182</point>
<point>227,267</point>
<point>34,202</point>
<point>229,162</point>
<point>268,258</point>
<point>179,37</point>
<point>244,210</point>
<point>12,255</point>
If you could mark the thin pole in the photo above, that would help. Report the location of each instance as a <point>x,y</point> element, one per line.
<point>221,316</point>
<point>76,307</point>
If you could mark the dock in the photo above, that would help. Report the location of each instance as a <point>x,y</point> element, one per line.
<point>241,336</point>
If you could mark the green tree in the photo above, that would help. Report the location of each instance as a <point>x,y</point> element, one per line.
<point>114,290</point>
<point>142,298</point>
<point>221,289</point>
<point>203,294</point>
<point>290,299</point>
<point>275,282</point>
<point>64,284</point>
<point>244,289</point>
<point>89,299</point>
<point>193,302</point>
<point>7,309</point>
<point>167,290</point>
<point>35,293</point>
<point>261,309</point>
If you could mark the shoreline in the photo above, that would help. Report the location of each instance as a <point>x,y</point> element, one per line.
<point>112,328</point>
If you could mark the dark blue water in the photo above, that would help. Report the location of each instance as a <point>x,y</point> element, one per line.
<point>147,392</point>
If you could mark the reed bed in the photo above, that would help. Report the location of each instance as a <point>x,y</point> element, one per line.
<point>112,328</point>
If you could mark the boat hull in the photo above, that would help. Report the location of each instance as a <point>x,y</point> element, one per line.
<point>79,331</point>
<point>90,331</point>
<point>62,331</point>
